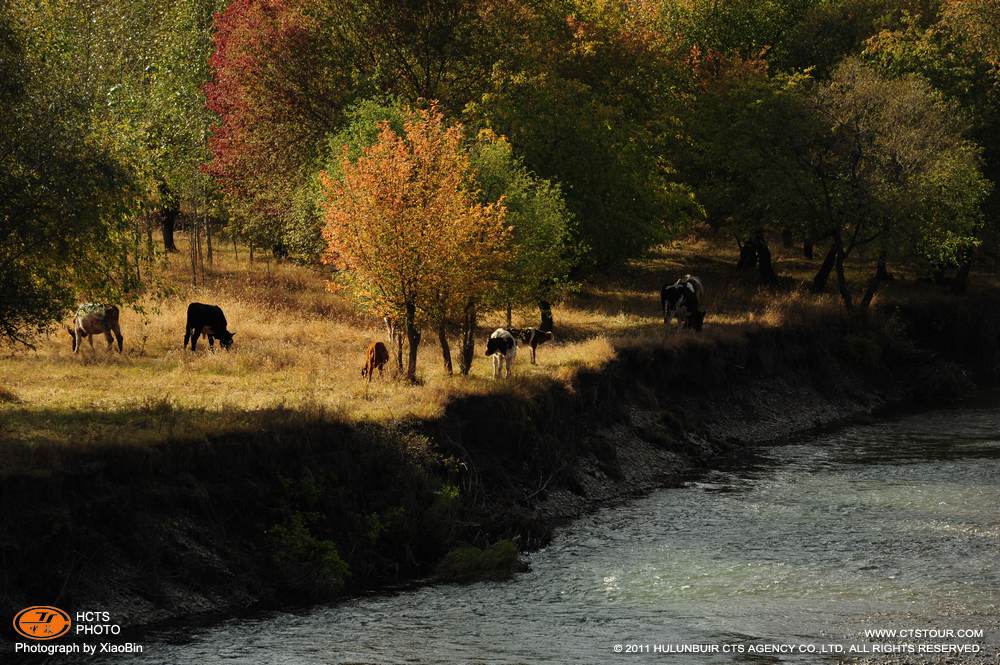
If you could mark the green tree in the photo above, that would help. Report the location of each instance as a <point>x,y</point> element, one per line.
<point>594,112</point>
<point>541,251</point>
<point>958,53</point>
<point>65,199</point>
<point>896,173</point>
<point>744,134</point>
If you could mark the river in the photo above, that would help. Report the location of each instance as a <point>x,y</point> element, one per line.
<point>894,525</point>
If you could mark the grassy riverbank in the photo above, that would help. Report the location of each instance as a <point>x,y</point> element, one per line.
<point>299,348</point>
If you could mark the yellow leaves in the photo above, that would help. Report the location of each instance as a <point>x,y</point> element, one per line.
<point>403,220</point>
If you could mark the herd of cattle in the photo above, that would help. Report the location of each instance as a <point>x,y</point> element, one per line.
<point>678,300</point>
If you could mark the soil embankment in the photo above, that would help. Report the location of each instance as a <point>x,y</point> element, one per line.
<point>301,507</point>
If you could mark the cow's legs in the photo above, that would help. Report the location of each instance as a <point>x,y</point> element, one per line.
<point>76,341</point>
<point>91,338</point>
<point>194,339</point>
<point>109,338</point>
<point>496,366</point>
<point>668,319</point>
<point>211,342</point>
<point>118,336</point>
<point>187,337</point>
<point>533,354</point>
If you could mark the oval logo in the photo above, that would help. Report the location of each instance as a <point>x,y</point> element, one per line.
<point>42,622</point>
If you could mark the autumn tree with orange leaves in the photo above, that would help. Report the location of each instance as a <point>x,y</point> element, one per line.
<point>406,228</point>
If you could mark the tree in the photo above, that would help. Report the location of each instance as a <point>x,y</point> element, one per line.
<point>740,152</point>
<point>895,171</point>
<point>593,112</point>
<point>957,50</point>
<point>541,250</point>
<point>406,226</point>
<point>65,199</point>
<point>276,89</point>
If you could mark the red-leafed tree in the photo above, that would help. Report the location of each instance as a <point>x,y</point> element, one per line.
<point>276,94</point>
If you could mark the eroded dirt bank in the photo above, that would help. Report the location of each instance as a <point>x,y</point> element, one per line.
<point>299,508</point>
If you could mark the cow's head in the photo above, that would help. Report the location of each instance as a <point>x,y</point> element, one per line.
<point>696,320</point>
<point>226,339</point>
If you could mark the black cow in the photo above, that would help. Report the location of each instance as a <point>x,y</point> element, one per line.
<point>210,320</point>
<point>684,293</point>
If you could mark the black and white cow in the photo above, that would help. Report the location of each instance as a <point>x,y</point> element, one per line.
<point>95,319</point>
<point>503,347</point>
<point>208,320</point>
<point>533,337</point>
<point>682,294</point>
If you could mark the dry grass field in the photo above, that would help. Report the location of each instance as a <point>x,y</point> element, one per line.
<point>299,348</point>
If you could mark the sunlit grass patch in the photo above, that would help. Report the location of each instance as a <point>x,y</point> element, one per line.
<point>299,347</point>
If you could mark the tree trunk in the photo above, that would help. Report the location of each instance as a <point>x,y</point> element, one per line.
<point>764,265</point>
<point>545,312</point>
<point>823,275</point>
<point>882,271</point>
<point>413,340</point>
<point>468,338</point>
<point>197,236</point>
<point>842,286</point>
<point>208,241</point>
<point>807,248</point>
<point>445,348</point>
<point>873,284</point>
<point>510,316</point>
<point>395,341</point>
<point>787,239</point>
<point>399,353</point>
<point>251,252</point>
<point>194,261</point>
<point>236,252</point>
<point>748,256</point>
<point>961,283</point>
<point>168,221</point>
<point>150,249</point>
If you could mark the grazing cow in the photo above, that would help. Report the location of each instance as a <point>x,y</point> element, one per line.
<point>375,358</point>
<point>210,321</point>
<point>533,337</point>
<point>95,319</point>
<point>684,293</point>
<point>503,347</point>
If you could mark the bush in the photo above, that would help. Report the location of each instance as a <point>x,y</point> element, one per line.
<point>468,563</point>
<point>304,563</point>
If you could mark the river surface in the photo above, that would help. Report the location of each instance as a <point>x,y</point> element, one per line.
<point>887,526</point>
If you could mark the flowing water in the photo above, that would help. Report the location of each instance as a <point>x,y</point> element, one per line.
<point>887,526</point>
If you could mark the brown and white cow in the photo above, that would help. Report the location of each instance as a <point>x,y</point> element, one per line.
<point>95,319</point>
<point>375,358</point>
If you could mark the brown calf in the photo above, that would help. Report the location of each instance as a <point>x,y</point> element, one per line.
<point>375,358</point>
